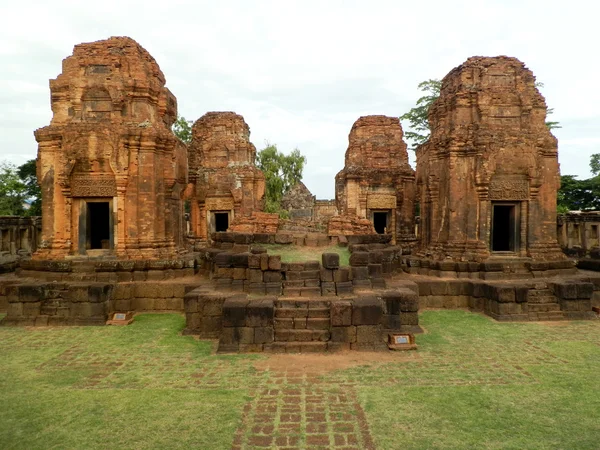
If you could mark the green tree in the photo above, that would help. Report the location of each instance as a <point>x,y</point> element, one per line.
<point>27,174</point>
<point>578,195</point>
<point>13,191</point>
<point>418,124</point>
<point>417,116</point>
<point>595,163</point>
<point>183,129</point>
<point>281,173</point>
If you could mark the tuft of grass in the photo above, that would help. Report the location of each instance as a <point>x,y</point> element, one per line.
<point>294,253</point>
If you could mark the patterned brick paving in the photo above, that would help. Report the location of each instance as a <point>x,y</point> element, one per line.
<point>298,410</point>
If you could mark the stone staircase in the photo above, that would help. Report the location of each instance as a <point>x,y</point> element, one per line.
<point>543,305</point>
<point>301,324</point>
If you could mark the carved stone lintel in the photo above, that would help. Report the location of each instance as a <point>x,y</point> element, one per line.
<point>508,189</point>
<point>93,186</point>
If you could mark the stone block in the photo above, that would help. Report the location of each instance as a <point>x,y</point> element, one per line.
<point>237,285</point>
<point>322,313</point>
<point>330,261</point>
<point>375,257</point>
<point>264,335</point>
<point>328,288</point>
<point>387,267</point>
<point>257,288</point>
<point>122,305</point>
<point>585,290</point>
<point>293,276</point>
<point>310,274</point>
<point>211,304</point>
<point>223,259</point>
<point>238,273</point>
<point>326,274</point>
<point>245,335</point>
<point>362,284</point>
<point>344,288</point>
<point>273,288</point>
<point>271,276</point>
<point>313,264</point>
<point>75,294</point>
<point>284,238</point>
<point>234,312</point>
<point>360,273</point>
<point>317,323</point>
<point>255,275</point>
<point>366,311</point>
<point>505,294</point>
<point>391,322</point>
<point>312,283</point>
<point>341,313</point>
<point>521,294</point>
<point>565,290</point>
<point>409,318</point>
<point>15,309</point>
<point>261,238</point>
<point>142,304</point>
<point>295,267</point>
<point>274,262</point>
<point>342,275</point>
<point>254,261</point>
<point>375,270</point>
<point>264,261</point>
<point>259,313</point>
<point>140,275</point>
<point>368,334</point>
<point>359,258</point>
<point>240,259</point>
<point>343,334</point>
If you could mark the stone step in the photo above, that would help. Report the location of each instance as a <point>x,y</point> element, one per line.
<point>302,335</point>
<point>541,300</point>
<point>543,307</point>
<point>303,303</point>
<point>296,347</point>
<point>302,291</point>
<point>311,323</point>
<point>535,293</point>
<point>555,315</point>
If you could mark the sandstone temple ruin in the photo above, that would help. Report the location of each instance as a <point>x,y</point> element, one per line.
<point>111,171</point>
<point>114,237</point>
<point>488,175</point>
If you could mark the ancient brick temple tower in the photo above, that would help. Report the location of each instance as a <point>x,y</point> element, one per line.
<point>377,182</point>
<point>112,172</point>
<point>225,181</point>
<point>488,175</point>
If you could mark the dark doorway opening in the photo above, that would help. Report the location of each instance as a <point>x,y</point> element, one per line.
<point>504,227</point>
<point>221,221</point>
<point>98,225</point>
<point>380,222</point>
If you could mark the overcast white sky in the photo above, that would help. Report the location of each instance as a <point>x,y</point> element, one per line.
<point>301,72</point>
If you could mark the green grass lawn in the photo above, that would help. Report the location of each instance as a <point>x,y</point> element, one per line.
<point>473,383</point>
<point>293,253</point>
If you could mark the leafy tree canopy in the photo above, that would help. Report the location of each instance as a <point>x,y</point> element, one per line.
<point>417,118</point>
<point>13,192</point>
<point>183,129</point>
<point>281,173</point>
<point>27,174</point>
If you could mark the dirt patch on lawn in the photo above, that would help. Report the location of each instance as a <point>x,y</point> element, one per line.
<point>324,363</point>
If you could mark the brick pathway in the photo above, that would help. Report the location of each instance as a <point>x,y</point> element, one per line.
<point>295,409</point>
